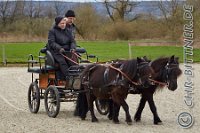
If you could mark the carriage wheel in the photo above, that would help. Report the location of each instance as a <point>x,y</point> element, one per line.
<point>33,97</point>
<point>52,101</point>
<point>102,109</point>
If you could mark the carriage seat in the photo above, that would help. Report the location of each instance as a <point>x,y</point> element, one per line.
<point>49,63</point>
<point>80,50</point>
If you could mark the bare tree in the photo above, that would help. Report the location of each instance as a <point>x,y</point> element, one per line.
<point>38,9</point>
<point>30,9</point>
<point>33,9</point>
<point>195,3</point>
<point>117,10</point>
<point>196,16</point>
<point>5,11</point>
<point>168,9</point>
<point>87,22</point>
<point>18,10</point>
<point>171,12</point>
<point>50,12</point>
<point>59,7</point>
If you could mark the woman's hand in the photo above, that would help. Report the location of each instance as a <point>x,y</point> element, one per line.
<point>62,51</point>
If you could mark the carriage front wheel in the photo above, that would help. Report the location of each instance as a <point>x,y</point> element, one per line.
<point>34,97</point>
<point>52,101</point>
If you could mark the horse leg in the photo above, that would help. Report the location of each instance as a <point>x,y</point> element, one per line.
<point>110,115</point>
<point>118,96</point>
<point>140,108</point>
<point>152,106</point>
<point>90,99</point>
<point>83,105</point>
<point>77,111</point>
<point>115,113</point>
<point>126,109</point>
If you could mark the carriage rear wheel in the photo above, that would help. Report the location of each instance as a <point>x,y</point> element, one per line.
<point>34,97</point>
<point>52,101</point>
<point>103,109</point>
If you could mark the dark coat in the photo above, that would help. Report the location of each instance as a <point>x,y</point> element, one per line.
<point>71,28</point>
<point>58,38</point>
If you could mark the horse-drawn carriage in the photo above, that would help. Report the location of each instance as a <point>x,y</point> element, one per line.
<point>50,86</point>
<point>97,81</point>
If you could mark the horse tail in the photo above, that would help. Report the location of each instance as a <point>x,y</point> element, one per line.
<point>81,105</point>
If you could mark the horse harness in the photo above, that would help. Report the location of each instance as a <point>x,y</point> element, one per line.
<point>121,76</point>
<point>168,70</point>
<point>166,78</point>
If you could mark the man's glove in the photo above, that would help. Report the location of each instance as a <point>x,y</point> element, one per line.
<point>62,51</point>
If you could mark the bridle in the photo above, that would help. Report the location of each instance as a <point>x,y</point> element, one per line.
<point>167,71</point>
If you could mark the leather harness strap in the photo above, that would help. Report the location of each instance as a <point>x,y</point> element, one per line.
<point>158,82</point>
<point>69,59</point>
<point>81,57</point>
<point>126,76</point>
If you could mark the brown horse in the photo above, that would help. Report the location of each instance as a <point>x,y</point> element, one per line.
<point>107,82</point>
<point>166,72</point>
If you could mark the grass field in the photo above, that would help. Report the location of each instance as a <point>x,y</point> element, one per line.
<point>18,52</point>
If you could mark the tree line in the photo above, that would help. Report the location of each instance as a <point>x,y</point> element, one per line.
<point>22,20</point>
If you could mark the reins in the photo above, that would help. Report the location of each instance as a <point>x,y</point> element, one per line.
<point>69,59</point>
<point>81,57</point>
<point>117,69</point>
<point>126,76</point>
<point>162,83</point>
<point>78,56</point>
<point>158,82</point>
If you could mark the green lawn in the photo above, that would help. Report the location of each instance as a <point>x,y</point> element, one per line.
<point>18,52</point>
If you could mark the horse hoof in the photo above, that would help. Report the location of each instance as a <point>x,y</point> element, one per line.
<point>137,119</point>
<point>110,117</point>
<point>95,120</point>
<point>158,123</point>
<point>129,123</point>
<point>76,114</point>
<point>116,122</point>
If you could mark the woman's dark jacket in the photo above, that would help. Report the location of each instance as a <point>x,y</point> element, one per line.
<point>60,38</point>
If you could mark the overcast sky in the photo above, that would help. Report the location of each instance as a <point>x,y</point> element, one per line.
<point>83,0</point>
<point>88,0</point>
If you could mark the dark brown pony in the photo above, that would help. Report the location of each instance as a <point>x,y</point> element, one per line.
<point>104,82</point>
<point>166,72</point>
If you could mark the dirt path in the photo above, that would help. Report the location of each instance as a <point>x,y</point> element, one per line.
<point>15,116</point>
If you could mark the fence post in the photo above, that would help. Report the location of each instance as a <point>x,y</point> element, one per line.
<point>4,56</point>
<point>129,50</point>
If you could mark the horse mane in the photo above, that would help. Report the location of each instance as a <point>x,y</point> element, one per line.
<point>159,64</point>
<point>130,67</point>
<point>162,61</point>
